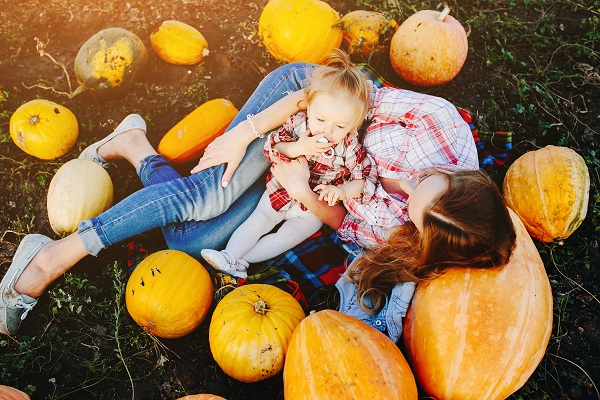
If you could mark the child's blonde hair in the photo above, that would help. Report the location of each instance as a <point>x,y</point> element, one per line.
<point>339,76</point>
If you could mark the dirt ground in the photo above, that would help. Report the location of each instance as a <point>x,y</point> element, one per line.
<point>164,94</point>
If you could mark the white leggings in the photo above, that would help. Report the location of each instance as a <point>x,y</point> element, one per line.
<point>252,240</point>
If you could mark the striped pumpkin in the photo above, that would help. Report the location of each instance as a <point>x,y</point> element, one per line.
<point>549,190</point>
<point>480,333</point>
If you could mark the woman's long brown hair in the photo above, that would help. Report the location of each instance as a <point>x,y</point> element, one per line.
<point>467,226</point>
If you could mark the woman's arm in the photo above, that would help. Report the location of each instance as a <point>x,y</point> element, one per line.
<point>294,176</point>
<point>231,146</point>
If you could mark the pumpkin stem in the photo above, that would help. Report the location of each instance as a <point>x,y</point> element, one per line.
<point>444,13</point>
<point>261,307</point>
<point>34,119</point>
<point>80,89</point>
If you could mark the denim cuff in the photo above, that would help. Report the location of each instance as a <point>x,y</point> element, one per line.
<point>90,237</point>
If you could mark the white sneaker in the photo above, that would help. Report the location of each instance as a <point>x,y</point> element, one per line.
<point>226,262</point>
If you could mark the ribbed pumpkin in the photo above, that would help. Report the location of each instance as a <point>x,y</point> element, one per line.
<point>169,293</point>
<point>480,333</point>
<point>335,356</point>
<point>365,31</point>
<point>178,43</point>
<point>299,30</point>
<point>109,62</point>
<point>44,129</point>
<point>80,189</point>
<point>10,393</point>
<point>190,136</point>
<point>429,48</point>
<point>250,330</point>
<point>549,190</point>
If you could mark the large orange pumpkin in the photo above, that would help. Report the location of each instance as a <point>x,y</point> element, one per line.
<point>365,31</point>
<point>480,333</point>
<point>549,190</point>
<point>335,356</point>
<point>429,48</point>
<point>80,189</point>
<point>109,61</point>
<point>10,393</point>
<point>299,30</point>
<point>44,129</point>
<point>190,136</point>
<point>169,293</point>
<point>250,331</point>
<point>178,43</point>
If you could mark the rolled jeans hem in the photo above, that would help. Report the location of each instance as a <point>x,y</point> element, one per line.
<point>92,239</point>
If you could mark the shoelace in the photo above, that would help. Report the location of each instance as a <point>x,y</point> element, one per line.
<point>26,307</point>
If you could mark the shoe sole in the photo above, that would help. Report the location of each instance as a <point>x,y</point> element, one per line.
<point>28,248</point>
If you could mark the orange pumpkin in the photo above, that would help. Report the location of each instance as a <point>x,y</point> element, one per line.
<point>299,30</point>
<point>429,48</point>
<point>335,356</point>
<point>250,331</point>
<point>189,137</point>
<point>169,293</point>
<point>364,30</point>
<point>10,393</point>
<point>480,333</point>
<point>178,43</point>
<point>44,129</point>
<point>549,190</point>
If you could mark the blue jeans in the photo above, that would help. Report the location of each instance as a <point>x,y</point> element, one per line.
<point>195,212</point>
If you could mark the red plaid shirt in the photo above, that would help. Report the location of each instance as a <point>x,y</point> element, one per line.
<point>407,132</point>
<point>350,161</point>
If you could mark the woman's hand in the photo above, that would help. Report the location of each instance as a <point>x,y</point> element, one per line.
<point>293,176</point>
<point>330,193</point>
<point>228,148</point>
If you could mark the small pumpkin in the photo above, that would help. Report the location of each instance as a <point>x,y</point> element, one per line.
<point>178,43</point>
<point>549,190</point>
<point>299,30</point>
<point>169,293</point>
<point>480,333</point>
<point>44,129</point>
<point>250,331</point>
<point>365,31</point>
<point>109,62</point>
<point>429,48</point>
<point>189,137</point>
<point>80,189</point>
<point>10,393</point>
<point>335,356</point>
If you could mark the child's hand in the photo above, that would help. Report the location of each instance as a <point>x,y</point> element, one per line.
<point>313,145</point>
<point>331,194</point>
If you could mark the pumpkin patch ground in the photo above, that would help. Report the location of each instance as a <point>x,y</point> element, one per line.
<point>532,69</point>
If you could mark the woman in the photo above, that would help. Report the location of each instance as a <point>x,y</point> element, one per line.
<point>407,131</point>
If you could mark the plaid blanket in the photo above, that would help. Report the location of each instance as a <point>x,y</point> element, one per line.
<point>317,263</point>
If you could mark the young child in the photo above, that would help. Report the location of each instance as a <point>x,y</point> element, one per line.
<point>337,99</point>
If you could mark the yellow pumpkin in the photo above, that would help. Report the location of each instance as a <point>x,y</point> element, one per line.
<point>364,30</point>
<point>335,356</point>
<point>480,333</point>
<point>10,393</point>
<point>80,189</point>
<point>169,293</point>
<point>549,190</point>
<point>44,129</point>
<point>250,331</point>
<point>109,61</point>
<point>189,137</point>
<point>178,43</point>
<point>429,48</point>
<point>299,30</point>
